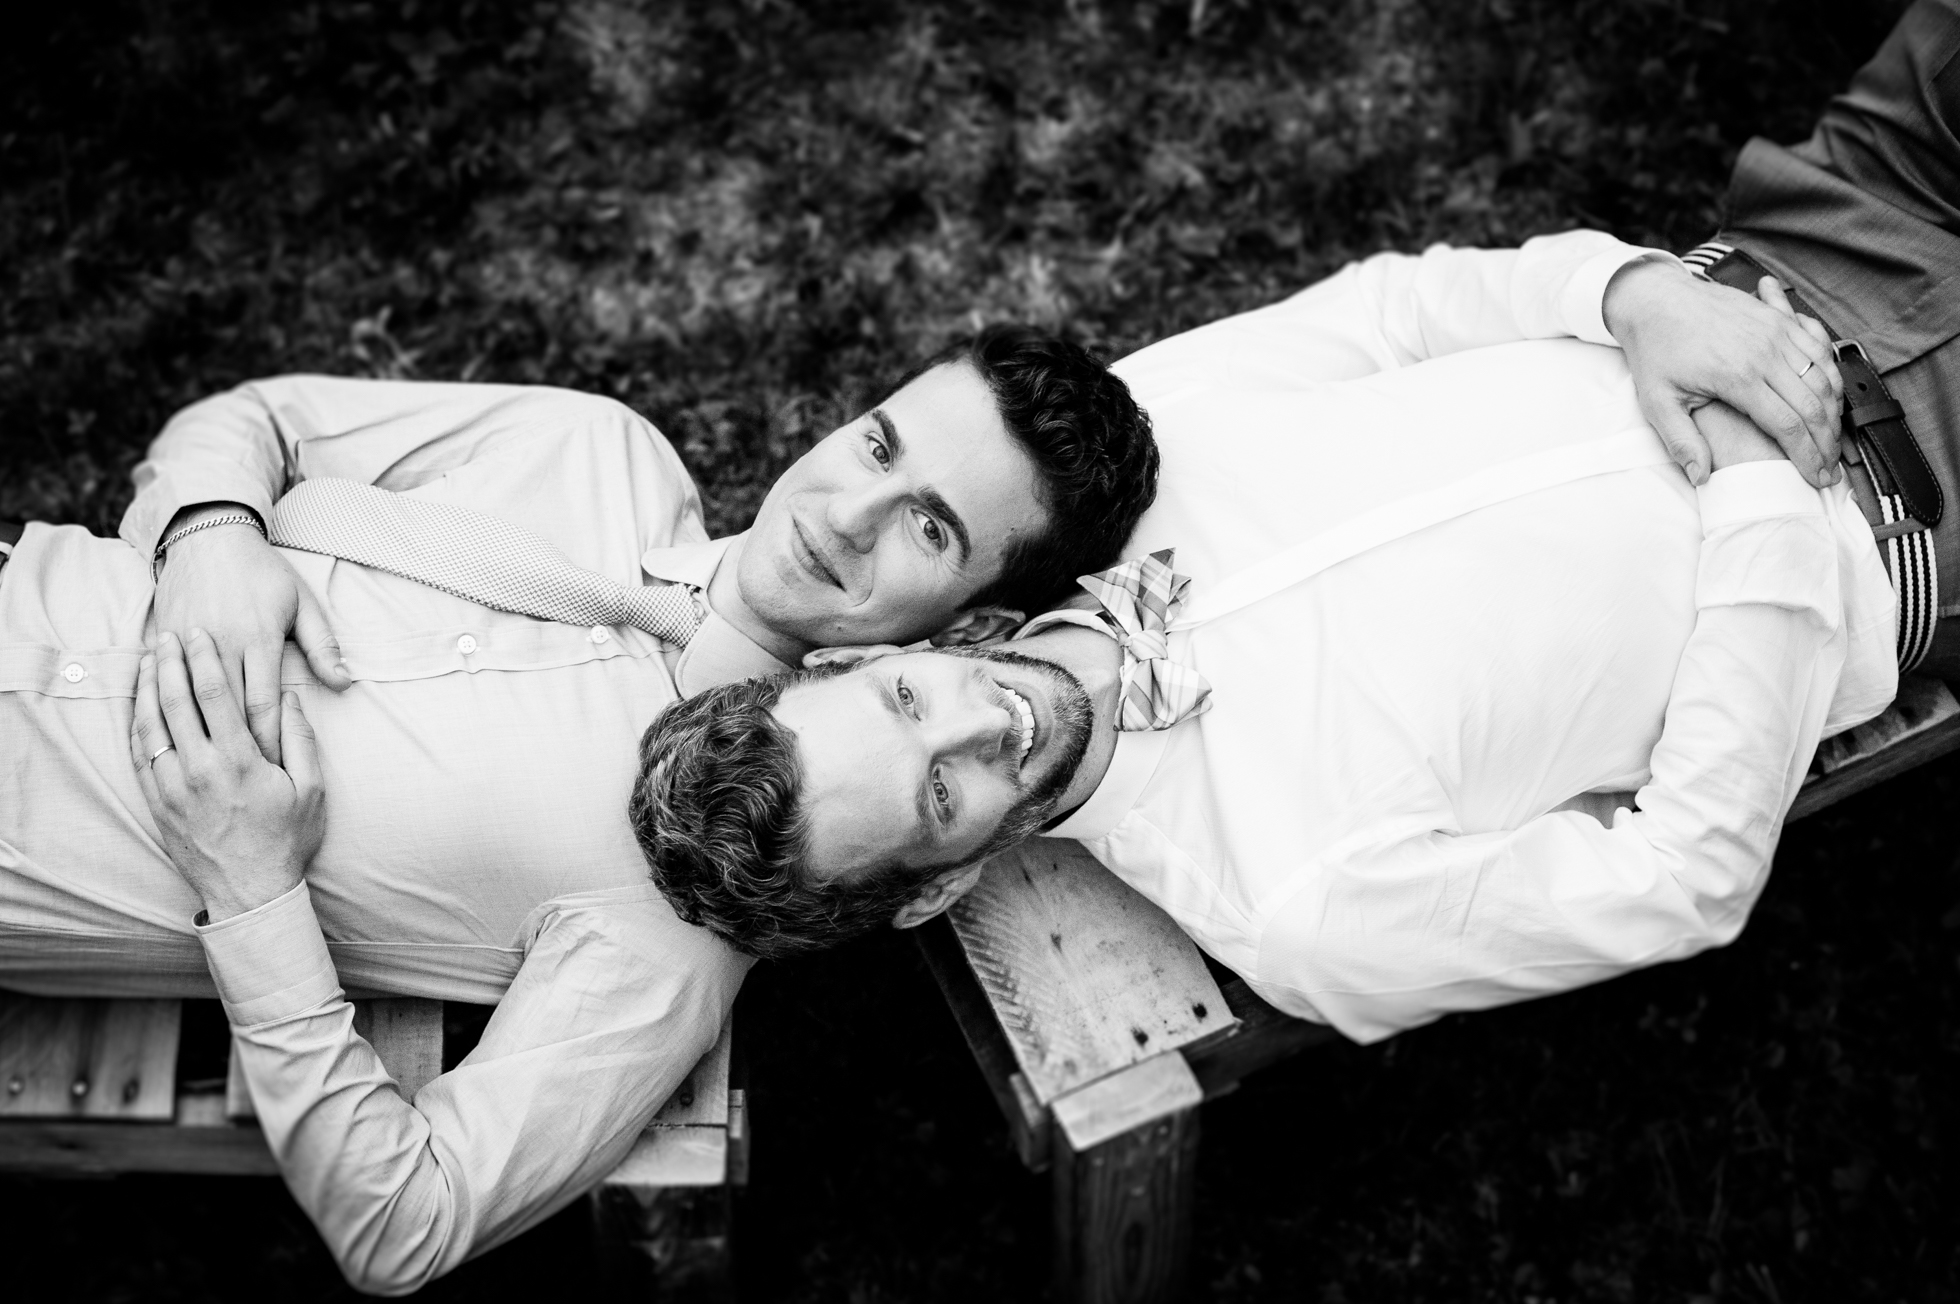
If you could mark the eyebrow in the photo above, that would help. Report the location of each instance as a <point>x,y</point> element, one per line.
<point>934,501</point>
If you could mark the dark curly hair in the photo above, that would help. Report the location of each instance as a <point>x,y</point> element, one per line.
<point>1090,443</point>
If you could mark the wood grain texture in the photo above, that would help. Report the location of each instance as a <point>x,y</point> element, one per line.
<point>693,1155</point>
<point>1262,1036</point>
<point>406,1032</point>
<point>1123,1213</point>
<point>1027,1119</point>
<point>1124,1101</point>
<point>1085,976</point>
<point>1922,723</point>
<point>88,1059</point>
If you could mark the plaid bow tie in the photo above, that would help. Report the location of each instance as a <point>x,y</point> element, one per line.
<point>1140,598</point>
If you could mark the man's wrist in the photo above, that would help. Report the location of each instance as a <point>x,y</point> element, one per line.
<point>203,520</point>
<point>225,903</point>
<point>1629,287</point>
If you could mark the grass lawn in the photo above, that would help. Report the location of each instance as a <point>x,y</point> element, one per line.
<point>743,218</point>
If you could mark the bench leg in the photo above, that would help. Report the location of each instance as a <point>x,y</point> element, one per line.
<point>1123,1213</point>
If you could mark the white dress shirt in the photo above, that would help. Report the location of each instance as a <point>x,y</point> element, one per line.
<point>477,775</point>
<point>1442,607</point>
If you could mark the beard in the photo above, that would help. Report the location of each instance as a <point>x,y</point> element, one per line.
<point>1074,717</point>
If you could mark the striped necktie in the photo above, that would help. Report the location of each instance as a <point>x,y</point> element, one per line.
<point>1139,599</point>
<point>473,556</point>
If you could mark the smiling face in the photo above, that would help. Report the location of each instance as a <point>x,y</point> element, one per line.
<point>882,532</point>
<point>923,759</point>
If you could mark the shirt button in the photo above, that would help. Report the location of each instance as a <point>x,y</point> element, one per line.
<point>466,644</point>
<point>74,672</point>
<point>600,633</point>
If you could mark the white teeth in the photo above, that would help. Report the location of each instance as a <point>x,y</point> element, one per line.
<point>1027,720</point>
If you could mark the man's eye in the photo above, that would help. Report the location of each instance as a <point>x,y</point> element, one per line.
<point>941,795</point>
<point>904,694</point>
<point>934,534</point>
<point>879,453</point>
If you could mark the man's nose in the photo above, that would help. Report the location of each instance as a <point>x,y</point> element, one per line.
<point>856,515</point>
<point>977,727</point>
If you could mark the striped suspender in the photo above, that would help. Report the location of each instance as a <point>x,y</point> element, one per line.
<point>1909,557</point>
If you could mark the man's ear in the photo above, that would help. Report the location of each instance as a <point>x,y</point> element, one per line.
<point>977,625</point>
<point>847,656</point>
<point>938,895</point>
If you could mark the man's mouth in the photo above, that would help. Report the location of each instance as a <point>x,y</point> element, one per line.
<point>1024,722</point>
<point>808,556</point>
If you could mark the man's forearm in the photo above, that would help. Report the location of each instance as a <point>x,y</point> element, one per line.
<point>585,1045</point>
<point>225,449</point>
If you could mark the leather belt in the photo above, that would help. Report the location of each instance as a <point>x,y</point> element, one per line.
<point>1872,417</point>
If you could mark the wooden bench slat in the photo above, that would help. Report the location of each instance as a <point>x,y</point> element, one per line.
<point>92,1148</point>
<point>93,1059</point>
<point>1086,976</point>
<point>1922,723</point>
<point>693,1155</point>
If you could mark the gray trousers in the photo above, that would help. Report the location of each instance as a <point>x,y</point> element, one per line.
<point>1864,220</point>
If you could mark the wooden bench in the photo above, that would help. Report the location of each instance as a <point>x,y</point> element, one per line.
<point>1101,1029</point>
<point>98,1087</point>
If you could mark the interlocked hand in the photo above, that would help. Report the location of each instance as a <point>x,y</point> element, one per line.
<point>240,829</point>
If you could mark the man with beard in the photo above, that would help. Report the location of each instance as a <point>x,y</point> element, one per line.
<point>1372,732</point>
<point>1436,664</point>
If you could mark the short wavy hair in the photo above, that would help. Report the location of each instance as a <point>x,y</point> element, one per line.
<point>1091,446</point>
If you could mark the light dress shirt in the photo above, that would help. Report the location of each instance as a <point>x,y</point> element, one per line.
<point>1450,594</point>
<point>477,776</point>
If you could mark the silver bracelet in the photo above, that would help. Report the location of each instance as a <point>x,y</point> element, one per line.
<point>223,518</point>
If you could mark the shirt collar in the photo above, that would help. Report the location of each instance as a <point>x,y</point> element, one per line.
<point>718,653</point>
<point>687,563</point>
<point>1130,765</point>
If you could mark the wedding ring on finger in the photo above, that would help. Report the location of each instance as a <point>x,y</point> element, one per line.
<point>158,753</point>
<point>1806,370</point>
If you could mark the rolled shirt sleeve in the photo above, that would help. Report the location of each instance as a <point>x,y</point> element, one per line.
<point>1384,938</point>
<point>614,1002</point>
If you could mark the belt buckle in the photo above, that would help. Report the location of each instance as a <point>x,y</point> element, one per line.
<point>1838,347</point>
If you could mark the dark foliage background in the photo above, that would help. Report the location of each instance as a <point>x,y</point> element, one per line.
<point>742,217</point>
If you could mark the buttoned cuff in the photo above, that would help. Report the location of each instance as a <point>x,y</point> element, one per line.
<point>174,489</point>
<point>272,962</point>
<point>1584,302</point>
<point>1754,491</point>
